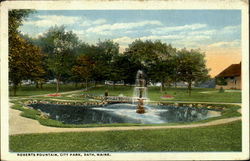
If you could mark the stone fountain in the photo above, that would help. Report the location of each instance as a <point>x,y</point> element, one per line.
<point>140,92</point>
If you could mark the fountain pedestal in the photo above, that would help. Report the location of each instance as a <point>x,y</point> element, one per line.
<point>140,92</point>
<point>140,107</point>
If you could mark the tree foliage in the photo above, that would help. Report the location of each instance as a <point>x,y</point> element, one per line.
<point>16,18</point>
<point>84,68</point>
<point>163,67</point>
<point>191,66</point>
<point>124,68</point>
<point>154,58</point>
<point>60,46</point>
<point>143,51</point>
<point>103,53</point>
<point>24,57</point>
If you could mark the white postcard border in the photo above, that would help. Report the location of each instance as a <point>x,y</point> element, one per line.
<point>129,5</point>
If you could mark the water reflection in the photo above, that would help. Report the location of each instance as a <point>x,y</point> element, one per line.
<point>80,115</point>
<point>123,113</point>
<point>184,114</point>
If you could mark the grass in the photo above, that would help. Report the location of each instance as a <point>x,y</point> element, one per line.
<point>154,93</point>
<point>112,90</point>
<point>213,138</point>
<point>30,90</point>
<point>180,94</point>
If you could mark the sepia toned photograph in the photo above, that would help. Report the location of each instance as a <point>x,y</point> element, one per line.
<point>81,81</point>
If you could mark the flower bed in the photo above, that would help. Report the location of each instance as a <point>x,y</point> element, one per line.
<point>55,95</point>
<point>167,97</point>
<point>65,102</point>
<point>196,105</point>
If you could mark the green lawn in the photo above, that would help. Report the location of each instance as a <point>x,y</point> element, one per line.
<point>30,90</point>
<point>112,90</point>
<point>197,95</point>
<point>213,138</point>
<point>154,93</point>
<point>180,94</point>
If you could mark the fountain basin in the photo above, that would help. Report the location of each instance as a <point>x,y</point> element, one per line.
<point>124,113</point>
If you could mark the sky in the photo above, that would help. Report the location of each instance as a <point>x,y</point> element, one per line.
<point>215,32</point>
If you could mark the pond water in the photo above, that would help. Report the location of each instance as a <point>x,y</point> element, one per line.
<point>124,113</point>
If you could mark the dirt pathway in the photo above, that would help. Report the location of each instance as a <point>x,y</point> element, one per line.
<point>44,95</point>
<point>22,125</point>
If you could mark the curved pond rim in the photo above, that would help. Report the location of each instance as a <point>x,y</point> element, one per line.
<point>229,112</point>
<point>76,114</point>
<point>44,123</point>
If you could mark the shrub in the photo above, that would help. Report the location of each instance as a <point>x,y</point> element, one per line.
<point>221,90</point>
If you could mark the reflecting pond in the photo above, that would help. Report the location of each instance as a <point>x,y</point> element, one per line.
<point>124,113</point>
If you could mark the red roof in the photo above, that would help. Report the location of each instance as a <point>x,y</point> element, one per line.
<point>231,71</point>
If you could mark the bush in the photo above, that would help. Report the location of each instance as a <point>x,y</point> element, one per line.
<point>221,90</point>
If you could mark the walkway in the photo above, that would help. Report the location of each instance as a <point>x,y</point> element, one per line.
<point>42,95</point>
<point>22,125</point>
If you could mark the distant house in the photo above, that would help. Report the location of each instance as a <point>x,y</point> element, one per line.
<point>231,76</point>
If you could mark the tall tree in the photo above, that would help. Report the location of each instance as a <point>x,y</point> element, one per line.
<point>109,49</point>
<point>60,46</point>
<point>48,74</point>
<point>24,57</point>
<point>175,68</point>
<point>24,62</point>
<point>154,58</point>
<point>191,67</point>
<point>103,53</point>
<point>84,68</point>
<point>81,49</point>
<point>122,68</point>
<point>143,51</point>
<point>161,69</point>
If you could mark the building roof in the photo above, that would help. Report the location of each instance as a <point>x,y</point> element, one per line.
<point>231,71</point>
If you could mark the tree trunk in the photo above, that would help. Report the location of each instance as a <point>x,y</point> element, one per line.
<point>15,88</point>
<point>168,82</point>
<point>76,84</point>
<point>41,85</point>
<point>86,84</point>
<point>37,85</point>
<point>189,88</point>
<point>146,82</point>
<point>162,85</point>
<point>113,86</point>
<point>57,84</point>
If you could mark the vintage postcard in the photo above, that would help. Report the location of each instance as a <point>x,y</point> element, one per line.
<point>125,80</point>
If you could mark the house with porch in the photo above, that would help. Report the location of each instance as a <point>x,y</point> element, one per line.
<point>231,77</point>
